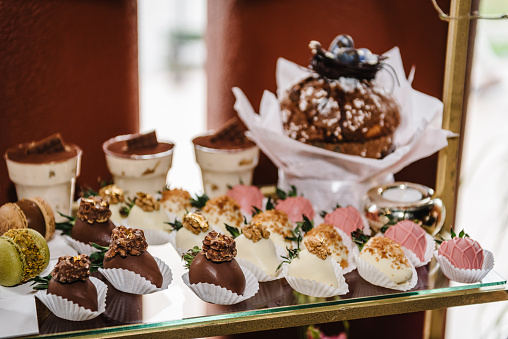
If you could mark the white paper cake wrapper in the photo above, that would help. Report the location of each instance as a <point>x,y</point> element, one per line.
<point>427,256</point>
<point>315,288</point>
<point>156,237</point>
<point>68,310</point>
<point>130,282</point>
<point>79,246</point>
<point>222,296</point>
<point>374,276</point>
<point>466,276</point>
<point>327,177</point>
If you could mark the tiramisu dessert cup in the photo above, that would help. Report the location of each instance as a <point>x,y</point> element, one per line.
<point>46,168</point>
<point>138,162</point>
<point>226,158</point>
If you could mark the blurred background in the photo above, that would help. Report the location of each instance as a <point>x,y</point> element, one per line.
<point>172,57</point>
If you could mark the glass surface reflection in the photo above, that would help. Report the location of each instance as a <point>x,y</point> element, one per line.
<point>179,305</point>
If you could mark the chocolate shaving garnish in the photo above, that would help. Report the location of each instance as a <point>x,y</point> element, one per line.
<point>112,194</point>
<point>146,202</point>
<point>48,145</point>
<point>126,241</point>
<point>255,232</point>
<point>218,247</point>
<point>195,223</point>
<point>148,140</point>
<point>317,247</point>
<point>94,209</point>
<point>233,131</point>
<point>70,269</point>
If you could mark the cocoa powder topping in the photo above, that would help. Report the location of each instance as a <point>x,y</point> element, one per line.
<point>126,241</point>
<point>70,269</point>
<point>195,223</point>
<point>218,247</point>
<point>94,209</point>
<point>255,231</point>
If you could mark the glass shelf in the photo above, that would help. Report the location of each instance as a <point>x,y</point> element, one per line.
<point>179,309</point>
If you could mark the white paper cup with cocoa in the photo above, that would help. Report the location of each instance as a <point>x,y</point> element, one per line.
<point>49,176</point>
<point>141,170</point>
<point>224,167</point>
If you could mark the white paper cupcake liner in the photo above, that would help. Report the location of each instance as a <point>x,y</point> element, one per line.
<point>68,310</point>
<point>462,275</point>
<point>156,237</point>
<point>79,246</point>
<point>374,276</point>
<point>222,296</point>
<point>130,282</point>
<point>350,245</point>
<point>315,288</point>
<point>427,256</point>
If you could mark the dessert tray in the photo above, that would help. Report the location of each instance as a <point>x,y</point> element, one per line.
<point>177,310</point>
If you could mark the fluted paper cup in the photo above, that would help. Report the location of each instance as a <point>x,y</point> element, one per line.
<point>68,310</point>
<point>79,246</point>
<point>374,276</point>
<point>315,288</point>
<point>462,275</point>
<point>220,295</point>
<point>131,282</point>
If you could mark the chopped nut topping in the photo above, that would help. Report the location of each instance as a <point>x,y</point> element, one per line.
<point>255,231</point>
<point>112,194</point>
<point>94,209</point>
<point>195,223</point>
<point>332,238</point>
<point>276,221</point>
<point>386,248</point>
<point>70,269</point>
<point>126,241</point>
<point>146,202</point>
<point>218,247</point>
<point>317,247</point>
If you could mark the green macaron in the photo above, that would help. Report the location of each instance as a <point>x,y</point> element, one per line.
<point>24,254</point>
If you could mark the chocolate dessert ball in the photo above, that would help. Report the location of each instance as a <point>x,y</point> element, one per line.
<point>128,251</point>
<point>92,222</point>
<point>70,280</point>
<point>216,264</point>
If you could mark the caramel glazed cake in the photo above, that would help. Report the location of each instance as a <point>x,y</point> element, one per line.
<point>341,112</point>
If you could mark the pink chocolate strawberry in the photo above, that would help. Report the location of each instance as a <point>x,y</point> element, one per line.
<point>347,219</point>
<point>296,207</point>
<point>247,196</point>
<point>464,253</point>
<point>409,235</point>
